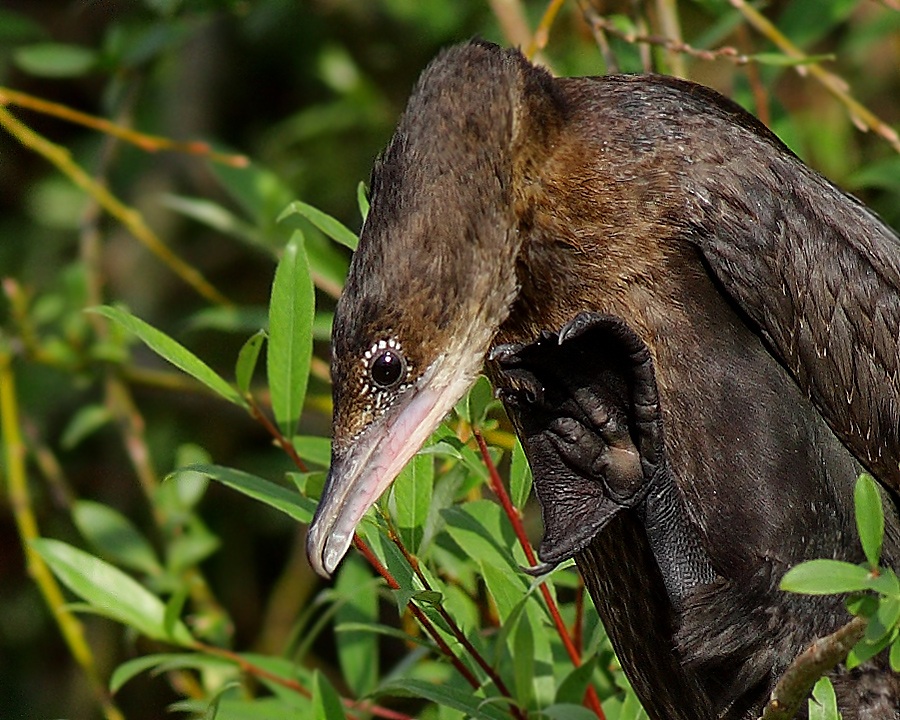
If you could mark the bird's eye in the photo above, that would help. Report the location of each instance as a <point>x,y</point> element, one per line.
<point>388,369</point>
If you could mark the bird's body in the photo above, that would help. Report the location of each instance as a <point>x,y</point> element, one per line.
<point>507,203</point>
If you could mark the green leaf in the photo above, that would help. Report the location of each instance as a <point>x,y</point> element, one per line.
<point>131,668</point>
<point>475,403</point>
<point>357,649</point>
<point>823,705</point>
<point>409,501</point>
<point>575,684</point>
<point>246,361</point>
<point>291,313</point>
<point>167,348</point>
<point>567,711</point>
<point>55,60</point>
<point>523,661</point>
<point>295,506</point>
<point>110,591</point>
<point>362,200</point>
<point>781,60</point>
<point>824,577</point>
<point>238,320</point>
<point>326,703</point>
<point>464,701</point>
<point>520,479</point>
<point>83,424</point>
<point>895,655</point>
<point>114,536</point>
<point>334,229</point>
<point>884,621</point>
<point>869,517</point>
<point>215,216</point>
<point>313,449</point>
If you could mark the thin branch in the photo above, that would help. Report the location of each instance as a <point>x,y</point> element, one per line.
<point>599,23</point>
<point>515,518</point>
<point>417,613</point>
<point>542,34</point>
<point>148,143</point>
<point>129,217</point>
<point>861,116</point>
<point>451,623</point>
<point>667,13</point>
<point>71,628</point>
<point>801,675</point>
<point>283,442</point>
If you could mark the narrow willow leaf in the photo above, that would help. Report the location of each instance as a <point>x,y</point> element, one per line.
<point>465,701</point>
<point>824,577</point>
<point>110,591</point>
<point>114,536</point>
<point>132,668</point>
<point>410,500</point>
<point>83,424</point>
<point>869,517</point>
<point>334,229</point>
<point>291,313</point>
<point>357,649</point>
<point>299,508</point>
<point>55,60</point>
<point>568,711</point>
<point>215,216</point>
<point>779,60</point>
<point>575,684</point>
<point>313,449</point>
<point>326,704</point>
<point>170,350</point>
<point>895,655</point>
<point>520,478</point>
<point>246,361</point>
<point>523,661</point>
<point>362,199</point>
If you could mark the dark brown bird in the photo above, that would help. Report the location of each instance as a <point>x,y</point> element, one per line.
<point>507,203</point>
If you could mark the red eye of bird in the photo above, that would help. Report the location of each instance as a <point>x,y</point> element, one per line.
<point>388,369</point>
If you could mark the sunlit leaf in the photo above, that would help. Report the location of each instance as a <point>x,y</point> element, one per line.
<point>110,591</point>
<point>823,577</point>
<point>869,517</point>
<point>170,350</point>
<point>291,313</point>
<point>114,536</point>
<point>467,702</point>
<point>276,496</point>
<point>357,649</point>
<point>520,479</point>
<point>823,705</point>
<point>326,703</point>
<point>334,229</point>
<point>246,361</point>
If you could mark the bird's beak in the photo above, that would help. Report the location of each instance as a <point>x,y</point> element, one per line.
<point>362,472</point>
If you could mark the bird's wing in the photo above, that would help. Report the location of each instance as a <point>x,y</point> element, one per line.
<point>819,276</point>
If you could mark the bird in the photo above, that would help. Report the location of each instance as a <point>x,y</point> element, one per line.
<point>585,403</point>
<point>507,203</point>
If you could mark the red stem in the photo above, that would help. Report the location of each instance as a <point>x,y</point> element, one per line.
<point>516,519</point>
<point>283,442</point>
<point>256,671</point>
<point>417,613</point>
<point>454,628</point>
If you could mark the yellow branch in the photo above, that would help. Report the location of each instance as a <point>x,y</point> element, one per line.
<point>70,627</point>
<point>861,116</point>
<point>129,217</point>
<point>149,143</point>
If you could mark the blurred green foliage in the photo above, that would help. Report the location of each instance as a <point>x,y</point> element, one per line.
<point>108,450</point>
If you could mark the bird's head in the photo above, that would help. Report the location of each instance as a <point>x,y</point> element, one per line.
<point>431,281</point>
